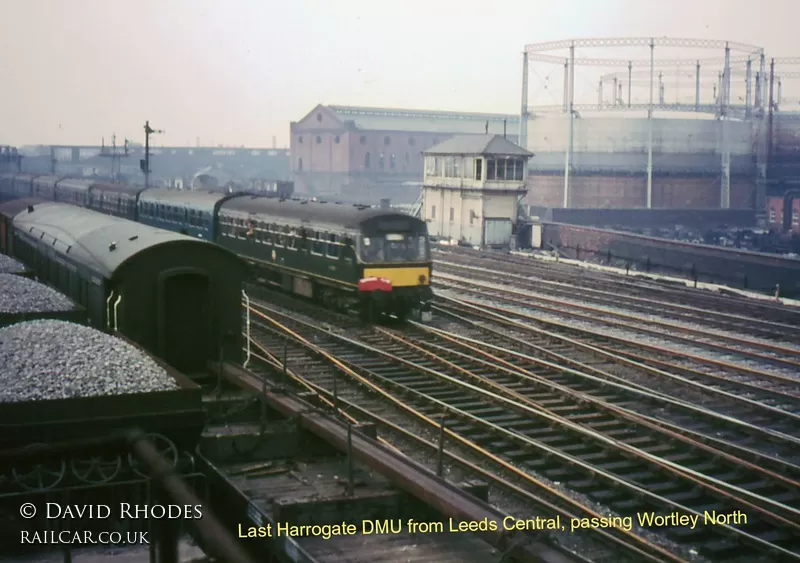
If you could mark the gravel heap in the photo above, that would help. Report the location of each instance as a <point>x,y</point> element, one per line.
<point>10,266</point>
<point>24,295</point>
<point>48,359</point>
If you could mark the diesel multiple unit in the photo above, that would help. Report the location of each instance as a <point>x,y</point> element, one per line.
<point>343,256</point>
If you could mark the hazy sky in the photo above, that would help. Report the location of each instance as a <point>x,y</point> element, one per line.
<point>236,72</point>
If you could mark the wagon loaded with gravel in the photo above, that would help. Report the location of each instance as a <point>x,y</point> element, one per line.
<point>176,296</point>
<point>69,394</point>
<point>23,299</point>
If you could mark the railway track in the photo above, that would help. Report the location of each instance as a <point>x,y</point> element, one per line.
<point>358,398</point>
<point>776,386</point>
<point>523,431</point>
<point>766,420</point>
<point>630,289</point>
<point>619,304</point>
<point>785,359</point>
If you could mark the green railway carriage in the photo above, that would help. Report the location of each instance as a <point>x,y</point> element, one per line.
<point>344,256</point>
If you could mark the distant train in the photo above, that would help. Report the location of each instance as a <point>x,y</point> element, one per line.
<point>343,256</point>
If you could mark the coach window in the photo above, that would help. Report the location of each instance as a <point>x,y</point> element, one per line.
<point>317,246</point>
<point>333,246</point>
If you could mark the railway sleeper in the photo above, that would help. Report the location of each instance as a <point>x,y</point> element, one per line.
<point>616,466</point>
<point>721,549</point>
<point>684,496</point>
<point>606,496</point>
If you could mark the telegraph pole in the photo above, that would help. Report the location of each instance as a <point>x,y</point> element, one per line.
<point>114,155</point>
<point>144,164</point>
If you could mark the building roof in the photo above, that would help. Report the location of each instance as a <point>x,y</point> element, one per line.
<point>313,213</point>
<point>478,144</point>
<point>386,119</point>
<point>86,235</point>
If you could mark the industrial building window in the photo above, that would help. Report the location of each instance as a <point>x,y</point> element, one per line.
<point>392,162</point>
<point>452,214</point>
<point>469,167</point>
<point>519,171</point>
<point>771,215</point>
<point>478,168</point>
<point>449,167</point>
<point>336,139</point>
<point>300,164</point>
<point>366,160</point>
<point>433,212</point>
<point>319,117</point>
<point>380,161</point>
<point>430,165</point>
<point>471,216</point>
<point>501,169</point>
<point>491,171</point>
<point>319,140</point>
<point>438,166</point>
<point>387,140</point>
<point>363,139</point>
<point>457,167</point>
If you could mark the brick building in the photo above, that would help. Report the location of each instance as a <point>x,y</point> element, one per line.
<point>365,154</point>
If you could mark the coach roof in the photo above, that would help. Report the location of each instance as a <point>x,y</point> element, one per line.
<point>205,201</point>
<point>313,212</point>
<point>101,242</point>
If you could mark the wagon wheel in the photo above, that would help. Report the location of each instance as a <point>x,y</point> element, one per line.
<point>165,449</point>
<point>39,476</point>
<point>96,469</point>
<point>187,462</point>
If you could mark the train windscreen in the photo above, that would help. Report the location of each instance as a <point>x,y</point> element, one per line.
<point>394,247</point>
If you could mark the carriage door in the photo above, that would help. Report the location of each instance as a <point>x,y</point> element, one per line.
<point>184,321</point>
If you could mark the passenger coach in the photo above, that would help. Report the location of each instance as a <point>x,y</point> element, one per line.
<point>177,296</point>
